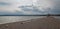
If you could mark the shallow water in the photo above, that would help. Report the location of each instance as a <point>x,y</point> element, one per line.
<point>9,19</point>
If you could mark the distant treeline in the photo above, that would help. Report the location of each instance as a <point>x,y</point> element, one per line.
<point>34,15</point>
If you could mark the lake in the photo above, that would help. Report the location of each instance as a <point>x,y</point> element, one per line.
<point>9,19</point>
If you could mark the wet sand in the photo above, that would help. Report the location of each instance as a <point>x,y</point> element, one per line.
<point>39,23</point>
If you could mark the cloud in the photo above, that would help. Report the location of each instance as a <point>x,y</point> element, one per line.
<point>12,6</point>
<point>56,7</point>
<point>4,4</point>
<point>31,10</point>
<point>9,13</point>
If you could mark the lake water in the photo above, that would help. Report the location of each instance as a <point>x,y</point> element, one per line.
<point>9,19</point>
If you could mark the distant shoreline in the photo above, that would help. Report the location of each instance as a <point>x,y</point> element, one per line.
<point>29,15</point>
<point>34,15</point>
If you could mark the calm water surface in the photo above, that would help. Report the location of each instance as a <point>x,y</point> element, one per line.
<point>9,19</point>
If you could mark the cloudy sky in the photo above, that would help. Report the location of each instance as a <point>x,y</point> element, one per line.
<point>29,7</point>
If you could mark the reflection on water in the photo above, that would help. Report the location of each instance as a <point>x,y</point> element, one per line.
<point>9,19</point>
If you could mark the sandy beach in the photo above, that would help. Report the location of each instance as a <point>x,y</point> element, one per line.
<point>39,23</point>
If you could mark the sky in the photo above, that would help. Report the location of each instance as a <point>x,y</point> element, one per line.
<point>29,7</point>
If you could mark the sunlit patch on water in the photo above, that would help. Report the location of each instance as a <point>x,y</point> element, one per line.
<point>9,19</point>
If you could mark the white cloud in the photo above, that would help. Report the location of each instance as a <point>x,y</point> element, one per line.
<point>44,5</point>
<point>10,8</point>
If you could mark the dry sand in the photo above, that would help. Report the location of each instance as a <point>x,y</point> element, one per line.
<point>40,23</point>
